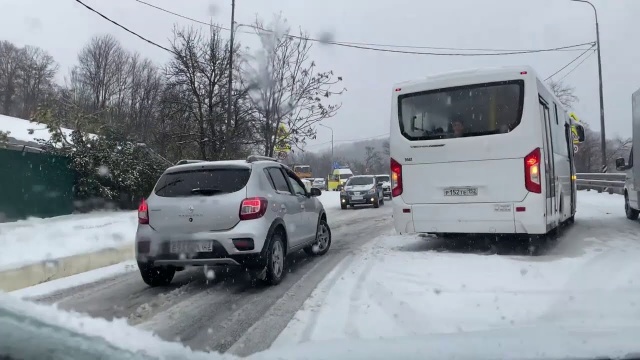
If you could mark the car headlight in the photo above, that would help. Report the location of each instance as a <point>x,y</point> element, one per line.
<point>372,191</point>
<point>342,192</point>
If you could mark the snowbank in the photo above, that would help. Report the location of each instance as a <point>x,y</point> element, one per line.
<point>116,333</point>
<point>409,286</point>
<point>35,240</point>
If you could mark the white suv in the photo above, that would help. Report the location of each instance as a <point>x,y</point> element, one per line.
<point>250,213</point>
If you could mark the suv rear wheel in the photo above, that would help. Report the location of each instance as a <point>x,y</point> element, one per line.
<point>276,260</point>
<point>156,275</point>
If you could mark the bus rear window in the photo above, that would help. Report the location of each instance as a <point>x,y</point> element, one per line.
<point>473,110</point>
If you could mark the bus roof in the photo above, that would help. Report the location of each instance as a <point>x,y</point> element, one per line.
<point>469,73</point>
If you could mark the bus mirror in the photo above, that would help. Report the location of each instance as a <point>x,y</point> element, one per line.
<point>580,132</point>
<point>620,165</point>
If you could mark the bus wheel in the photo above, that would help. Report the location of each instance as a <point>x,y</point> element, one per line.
<point>632,214</point>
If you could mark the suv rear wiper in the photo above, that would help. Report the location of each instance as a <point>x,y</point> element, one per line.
<point>206,191</point>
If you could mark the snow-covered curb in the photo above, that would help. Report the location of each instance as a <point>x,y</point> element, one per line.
<point>14,279</point>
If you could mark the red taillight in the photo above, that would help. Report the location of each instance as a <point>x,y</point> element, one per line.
<point>253,208</point>
<point>143,213</point>
<point>532,171</point>
<point>396,178</point>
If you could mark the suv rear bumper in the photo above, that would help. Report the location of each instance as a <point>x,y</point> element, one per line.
<point>154,248</point>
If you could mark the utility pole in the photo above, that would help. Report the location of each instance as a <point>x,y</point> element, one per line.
<point>325,126</point>
<point>230,89</point>
<point>603,138</point>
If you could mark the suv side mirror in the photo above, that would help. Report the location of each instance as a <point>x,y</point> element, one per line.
<point>620,165</point>
<point>315,192</point>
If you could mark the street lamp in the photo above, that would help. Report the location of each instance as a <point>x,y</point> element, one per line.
<point>603,138</point>
<point>325,126</point>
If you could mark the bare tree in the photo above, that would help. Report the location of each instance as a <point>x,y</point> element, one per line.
<point>38,70</point>
<point>10,62</point>
<point>99,66</point>
<point>286,88</point>
<point>198,76</point>
<point>564,93</point>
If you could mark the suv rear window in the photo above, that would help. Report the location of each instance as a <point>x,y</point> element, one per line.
<point>472,110</point>
<point>202,182</point>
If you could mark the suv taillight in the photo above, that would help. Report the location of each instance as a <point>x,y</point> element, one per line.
<point>396,178</point>
<point>253,208</point>
<point>143,213</point>
<point>532,171</point>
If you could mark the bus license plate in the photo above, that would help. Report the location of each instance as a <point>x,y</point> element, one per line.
<point>461,192</point>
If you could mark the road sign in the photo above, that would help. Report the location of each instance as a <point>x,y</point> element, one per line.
<point>575,149</point>
<point>336,165</point>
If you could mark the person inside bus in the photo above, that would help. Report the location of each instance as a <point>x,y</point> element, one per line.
<point>457,126</point>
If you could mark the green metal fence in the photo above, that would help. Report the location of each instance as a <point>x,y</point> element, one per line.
<point>34,184</point>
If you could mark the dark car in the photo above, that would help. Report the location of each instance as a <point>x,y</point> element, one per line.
<point>362,190</point>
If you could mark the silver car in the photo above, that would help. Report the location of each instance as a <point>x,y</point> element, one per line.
<point>250,213</point>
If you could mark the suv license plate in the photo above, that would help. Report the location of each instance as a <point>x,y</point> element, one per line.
<point>181,247</point>
<point>356,198</point>
<point>461,192</point>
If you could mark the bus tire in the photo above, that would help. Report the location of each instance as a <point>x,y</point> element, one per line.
<point>632,214</point>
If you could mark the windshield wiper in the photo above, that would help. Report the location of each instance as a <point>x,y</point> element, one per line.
<point>206,191</point>
<point>170,183</point>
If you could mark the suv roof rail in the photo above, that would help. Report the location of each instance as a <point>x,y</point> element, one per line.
<point>184,161</point>
<point>254,158</point>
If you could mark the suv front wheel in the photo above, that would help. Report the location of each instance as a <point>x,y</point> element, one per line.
<point>323,240</point>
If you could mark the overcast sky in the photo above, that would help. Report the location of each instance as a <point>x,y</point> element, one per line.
<point>62,27</point>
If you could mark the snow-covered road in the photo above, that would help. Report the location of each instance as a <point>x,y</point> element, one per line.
<point>376,285</point>
<point>400,286</point>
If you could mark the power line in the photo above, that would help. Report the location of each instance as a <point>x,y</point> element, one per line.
<point>381,47</point>
<point>571,62</point>
<point>124,28</point>
<point>179,15</point>
<point>577,65</point>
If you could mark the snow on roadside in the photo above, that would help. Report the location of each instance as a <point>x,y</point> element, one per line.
<point>116,332</point>
<point>34,240</point>
<point>76,280</point>
<point>398,286</point>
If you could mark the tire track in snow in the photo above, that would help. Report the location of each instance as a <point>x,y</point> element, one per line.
<point>338,272</point>
<point>351,329</point>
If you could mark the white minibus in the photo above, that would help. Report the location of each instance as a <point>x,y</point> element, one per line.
<point>485,151</point>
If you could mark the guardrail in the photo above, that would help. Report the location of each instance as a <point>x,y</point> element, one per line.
<point>613,183</point>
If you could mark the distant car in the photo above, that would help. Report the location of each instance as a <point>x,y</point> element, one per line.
<point>320,183</point>
<point>251,213</point>
<point>386,184</point>
<point>362,190</point>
